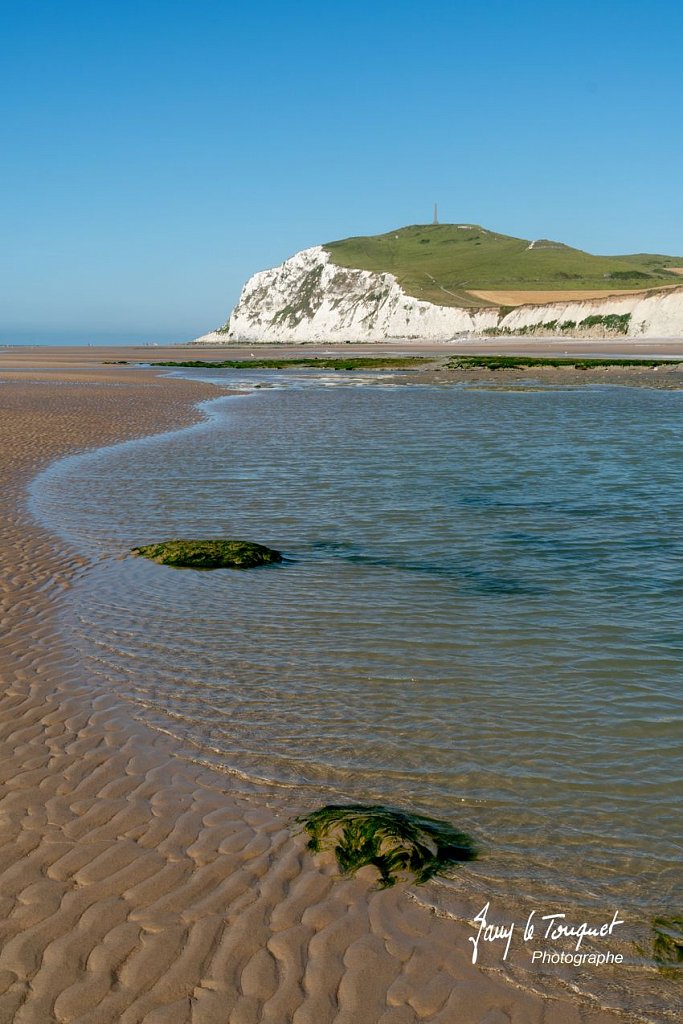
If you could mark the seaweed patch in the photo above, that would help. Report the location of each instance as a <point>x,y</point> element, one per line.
<point>209,554</point>
<point>667,942</point>
<point>402,846</point>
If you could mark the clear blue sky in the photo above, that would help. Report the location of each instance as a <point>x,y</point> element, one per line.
<point>155,154</point>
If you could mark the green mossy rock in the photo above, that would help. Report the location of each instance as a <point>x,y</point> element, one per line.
<point>667,941</point>
<point>400,845</point>
<point>209,554</point>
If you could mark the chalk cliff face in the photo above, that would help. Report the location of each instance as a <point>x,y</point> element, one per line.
<point>309,298</point>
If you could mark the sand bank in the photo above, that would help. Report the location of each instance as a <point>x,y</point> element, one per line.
<point>82,359</point>
<point>136,886</point>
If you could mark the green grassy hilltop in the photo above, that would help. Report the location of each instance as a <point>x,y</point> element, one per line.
<point>445,263</point>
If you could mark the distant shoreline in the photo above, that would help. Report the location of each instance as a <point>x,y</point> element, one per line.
<point>89,362</point>
<point>34,356</point>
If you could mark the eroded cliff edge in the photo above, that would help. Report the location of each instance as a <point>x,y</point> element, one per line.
<point>309,298</point>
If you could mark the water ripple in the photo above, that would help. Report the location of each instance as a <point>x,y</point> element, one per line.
<point>481,617</point>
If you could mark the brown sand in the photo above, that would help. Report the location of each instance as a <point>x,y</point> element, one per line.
<point>136,886</point>
<point>23,361</point>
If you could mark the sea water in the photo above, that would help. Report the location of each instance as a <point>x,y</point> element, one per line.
<point>479,615</point>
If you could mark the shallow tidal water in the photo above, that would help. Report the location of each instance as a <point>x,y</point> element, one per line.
<point>479,617</point>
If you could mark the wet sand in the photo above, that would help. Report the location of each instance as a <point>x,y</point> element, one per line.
<point>137,886</point>
<point>663,377</point>
<point>83,358</point>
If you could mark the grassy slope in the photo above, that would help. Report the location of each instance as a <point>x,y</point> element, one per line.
<point>427,259</point>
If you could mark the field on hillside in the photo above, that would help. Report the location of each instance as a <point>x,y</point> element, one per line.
<point>447,263</point>
<point>533,297</point>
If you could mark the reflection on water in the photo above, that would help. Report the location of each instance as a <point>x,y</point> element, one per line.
<point>482,618</point>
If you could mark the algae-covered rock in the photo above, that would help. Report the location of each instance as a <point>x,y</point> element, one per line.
<point>209,554</point>
<point>400,845</point>
<point>667,942</point>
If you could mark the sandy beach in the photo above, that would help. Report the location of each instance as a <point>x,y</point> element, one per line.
<point>136,886</point>
<point>97,358</point>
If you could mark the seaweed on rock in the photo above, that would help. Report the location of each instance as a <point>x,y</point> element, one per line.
<point>209,554</point>
<point>667,943</point>
<point>399,844</point>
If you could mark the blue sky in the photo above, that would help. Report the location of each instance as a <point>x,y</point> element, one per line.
<point>155,154</point>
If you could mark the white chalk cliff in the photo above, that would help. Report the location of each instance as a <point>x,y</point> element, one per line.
<point>310,298</point>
